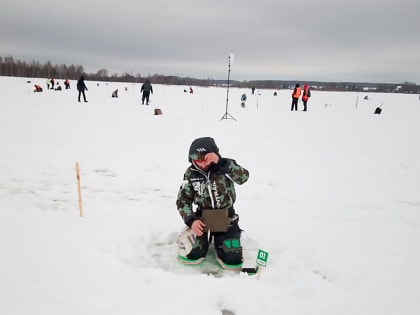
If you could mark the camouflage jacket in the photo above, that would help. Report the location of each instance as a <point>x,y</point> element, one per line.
<point>211,189</point>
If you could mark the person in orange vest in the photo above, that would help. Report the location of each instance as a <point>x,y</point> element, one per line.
<point>295,96</point>
<point>305,96</point>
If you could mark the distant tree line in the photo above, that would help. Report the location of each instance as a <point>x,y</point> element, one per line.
<point>34,69</point>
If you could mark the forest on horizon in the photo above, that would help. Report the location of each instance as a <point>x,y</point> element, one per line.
<point>35,69</point>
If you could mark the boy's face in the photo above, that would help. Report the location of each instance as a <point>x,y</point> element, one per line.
<point>203,164</point>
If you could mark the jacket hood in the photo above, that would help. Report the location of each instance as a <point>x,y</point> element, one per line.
<point>200,147</point>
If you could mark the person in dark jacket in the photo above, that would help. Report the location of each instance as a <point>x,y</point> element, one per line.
<point>209,183</point>
<point>81,87</point>
<point>146,89</point>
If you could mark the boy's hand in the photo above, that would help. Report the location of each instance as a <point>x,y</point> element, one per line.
<point>198,227</point>
<point>212,158</point>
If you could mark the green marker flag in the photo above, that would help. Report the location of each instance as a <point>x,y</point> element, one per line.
<point>262,258</point>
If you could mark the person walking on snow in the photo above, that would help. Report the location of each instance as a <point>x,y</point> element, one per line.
<point>146,88</point>
<point>81,87</point>
<point>209,183</point>
<point>295,96</point>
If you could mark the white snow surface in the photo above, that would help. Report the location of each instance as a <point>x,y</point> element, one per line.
<point>333,197</point>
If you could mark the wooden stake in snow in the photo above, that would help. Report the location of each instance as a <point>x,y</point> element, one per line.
<point>79,190</point>
<point>262,258</point>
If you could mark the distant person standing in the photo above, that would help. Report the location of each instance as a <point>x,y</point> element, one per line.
<point>305,96</point>
<point>146,89</point>
<point>295,96</point>
<point>81,87</point>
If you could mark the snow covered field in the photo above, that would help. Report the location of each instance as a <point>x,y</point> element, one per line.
<point>333,197</point>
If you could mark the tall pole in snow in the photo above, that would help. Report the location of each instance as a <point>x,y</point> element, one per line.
<point>227,90</point>
<point>227,115</point>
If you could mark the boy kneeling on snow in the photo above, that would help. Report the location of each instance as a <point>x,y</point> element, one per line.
<point>209,183</point>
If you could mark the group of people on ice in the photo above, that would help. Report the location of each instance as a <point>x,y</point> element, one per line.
<point>52,82</point>
<point>146,89</point>
<point>297,92</point>
<point>50,85</point>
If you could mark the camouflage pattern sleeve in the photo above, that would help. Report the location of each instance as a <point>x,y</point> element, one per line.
<point>185,199</point>
<point>237,173</point>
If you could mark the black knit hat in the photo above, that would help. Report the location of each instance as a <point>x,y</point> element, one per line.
<point>200,147</point>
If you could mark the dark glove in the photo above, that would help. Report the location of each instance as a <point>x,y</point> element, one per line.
<point>189,220</point>
<point>222,167</point>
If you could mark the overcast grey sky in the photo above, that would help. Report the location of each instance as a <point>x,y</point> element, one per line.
<point>325,40</point>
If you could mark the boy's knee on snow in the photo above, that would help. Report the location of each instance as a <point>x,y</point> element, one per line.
<point>231,245</point>
<point>231,251</point>
<point>198,252</point>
